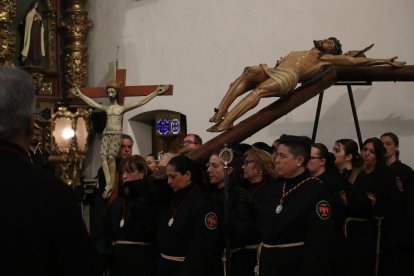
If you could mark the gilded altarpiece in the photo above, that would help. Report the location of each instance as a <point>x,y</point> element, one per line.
<point>64,25</point>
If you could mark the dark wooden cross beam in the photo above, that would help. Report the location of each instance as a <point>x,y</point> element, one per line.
<point>299,96</point>
<point>126,91</point>
<point>375,73</point>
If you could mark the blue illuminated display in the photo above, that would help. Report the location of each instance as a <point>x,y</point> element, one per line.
<point>163,127</point>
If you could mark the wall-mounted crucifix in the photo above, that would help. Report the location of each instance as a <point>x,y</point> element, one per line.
<point>111,139</point>
<point>126,91</point>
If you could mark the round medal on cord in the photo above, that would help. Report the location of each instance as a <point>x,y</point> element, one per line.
<point>175,209</point>
<point>279,208</point>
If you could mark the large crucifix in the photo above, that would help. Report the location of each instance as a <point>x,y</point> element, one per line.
<point>126,91</point>
<point>299,96</point>
<point>116,91</point>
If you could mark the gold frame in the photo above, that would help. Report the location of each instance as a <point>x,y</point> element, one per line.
<point>69,160</point>
<point>74,26</point>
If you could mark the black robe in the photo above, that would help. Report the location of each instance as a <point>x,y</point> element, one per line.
<point>42,229</point>
<point>132,218</point>
<point>306,217</point>
<point>194,234</point>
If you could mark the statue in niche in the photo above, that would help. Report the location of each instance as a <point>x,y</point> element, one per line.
<point>33,40</point>
<point>296,67</point>
<point>111,140</point>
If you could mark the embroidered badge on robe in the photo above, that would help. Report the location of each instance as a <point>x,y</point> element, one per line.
<point>323,209</point>
<point>211,221</point>
<point>372,198</point>
<point>399,184</point>
<point>343,197</point>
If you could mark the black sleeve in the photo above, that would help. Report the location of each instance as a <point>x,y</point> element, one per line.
<point>319,236</point>
<point>360,204</point>
<point>204,242</point>
<point>74,250</point>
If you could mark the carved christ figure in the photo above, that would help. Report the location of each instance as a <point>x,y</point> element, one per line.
<point>296,67</point>
<point>111,140</point>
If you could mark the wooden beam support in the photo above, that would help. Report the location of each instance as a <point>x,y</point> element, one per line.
<point>374,73</point>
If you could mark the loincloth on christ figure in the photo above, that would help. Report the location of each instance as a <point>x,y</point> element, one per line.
<point>111,142</point>
<point>286,79</point>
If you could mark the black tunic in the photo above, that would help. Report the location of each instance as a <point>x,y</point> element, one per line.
<point>42,229</point>
<point>305,217</point>
<point>98,212</point>
<point>404,180</point>
<point>360,229</point>
<point>240,230</point>
<point>390,206</point>
<point>40,160</point>
<point>339,191</point>
<point>194,234</point>
<point>132,218</point>
<point>34,56</point>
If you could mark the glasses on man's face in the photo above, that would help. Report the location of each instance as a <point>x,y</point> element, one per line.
<point>187,142</point>
<point>247,162</point>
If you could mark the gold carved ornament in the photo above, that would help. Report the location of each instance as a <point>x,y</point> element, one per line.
<point>7,35</point>
<point>69,143</point>
<point>76,26</point>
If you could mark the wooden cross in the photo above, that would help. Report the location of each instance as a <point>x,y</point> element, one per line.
<point>126,91</point>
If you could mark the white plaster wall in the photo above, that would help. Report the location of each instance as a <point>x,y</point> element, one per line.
<point>202,46</point>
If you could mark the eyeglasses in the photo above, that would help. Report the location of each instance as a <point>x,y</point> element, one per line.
<point>187,142</point>
<point>247,162</point>
<point>315,157</point>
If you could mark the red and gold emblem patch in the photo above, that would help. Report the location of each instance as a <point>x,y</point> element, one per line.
<point>372,198</point>
<point>323,209</point>
<point>211,221</point>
